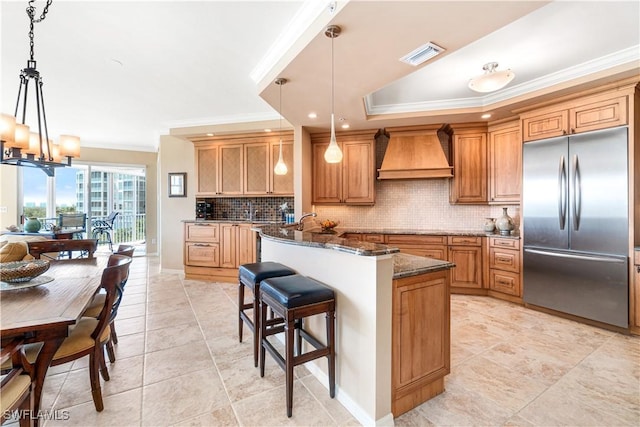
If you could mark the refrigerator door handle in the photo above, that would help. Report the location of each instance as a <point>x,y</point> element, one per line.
<point>576,191</point>
<point>562,193</point>
<point>573,256</point>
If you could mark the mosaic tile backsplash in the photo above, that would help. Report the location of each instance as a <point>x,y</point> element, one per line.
<point>264,208</point>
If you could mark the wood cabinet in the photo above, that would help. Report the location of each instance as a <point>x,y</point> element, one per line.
<point>469,183</point>
<point>201,246</point>
<point>504,266</point>
<point>576,116</point>
<point>466,253</point>
<point>214,251</point>
<point>505,163</point>
<point>259,161</point>
<point>243,165</point>
<point>635,283</point>
<point>420,339</point>
<point>421,245</point>
<point>350,181</point>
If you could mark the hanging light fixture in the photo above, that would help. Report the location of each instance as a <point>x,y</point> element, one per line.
<point>19,146</point>
<point>491,80</point>
<point>281,167</point>
<point>333,154</point>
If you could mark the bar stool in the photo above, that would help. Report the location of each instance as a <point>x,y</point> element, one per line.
<point>293,298</point>
<point>250,275</point>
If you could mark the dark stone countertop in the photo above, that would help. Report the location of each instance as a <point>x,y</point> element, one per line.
<point>418,232</point>
<point>319,239</point>
<point>406,265</point>
<point>233,221</point>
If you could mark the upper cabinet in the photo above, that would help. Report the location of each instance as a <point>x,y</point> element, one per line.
<point>352,180</point>
<point>576,116</point>
<point>469,183</point>
<point>505,163</point>
<point>243,165</point>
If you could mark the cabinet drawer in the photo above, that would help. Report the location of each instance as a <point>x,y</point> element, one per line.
<point>202,232</point>
<point>497,242</point>
<point>464,241</point>
<point>202,254</point>
<point>505,282</point>
<point>599,114</point>
<point>413,239</point>
<point>547,125</point>
<point>373,238</point>
<point>436,252</point>
<point>504,259</point>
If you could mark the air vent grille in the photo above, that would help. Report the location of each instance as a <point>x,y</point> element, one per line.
<point>422,54</point>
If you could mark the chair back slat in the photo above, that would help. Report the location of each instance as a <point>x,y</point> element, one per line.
<point>116,271</point>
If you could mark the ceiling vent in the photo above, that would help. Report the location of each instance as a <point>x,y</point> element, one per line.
<point>422,54</point>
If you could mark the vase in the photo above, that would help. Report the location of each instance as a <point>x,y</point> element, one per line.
<point>32,225</point>
<point>505,224</point>
<point>489,225</point>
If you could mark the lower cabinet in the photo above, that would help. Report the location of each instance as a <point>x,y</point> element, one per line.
<point>504,266</point>
<point>420,339</point>
<point>218,250</point>
<point>466,253</point>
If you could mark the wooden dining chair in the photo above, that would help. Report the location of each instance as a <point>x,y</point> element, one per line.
<point>90,334</point>
<point>94,308</point>
<point>16,397</point>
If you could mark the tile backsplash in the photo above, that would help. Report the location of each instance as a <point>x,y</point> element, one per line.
<point>268,208</point>
<point>421,204</point>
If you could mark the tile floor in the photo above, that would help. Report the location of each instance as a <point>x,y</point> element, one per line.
<point>179,364</point>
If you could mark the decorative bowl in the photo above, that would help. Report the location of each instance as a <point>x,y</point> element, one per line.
<point>22,271</point>
<point>328,225</point>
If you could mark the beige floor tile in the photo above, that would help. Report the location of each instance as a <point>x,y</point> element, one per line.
<point>134,325</point>
<point>128,346</point>
<point>132,298</point>
<point>307,411</point>
<point>242,379</point>
<point>218,417</point>
<point>131,310</point>
<point>164,364</point>
<point>122,410</point>
<point>321,392</point>
<point>160,339</point>
<point>170,318</point>
<point>181,398</point>
<point>159,306</point>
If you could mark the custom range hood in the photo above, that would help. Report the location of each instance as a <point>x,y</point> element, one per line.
<point>416,154</point>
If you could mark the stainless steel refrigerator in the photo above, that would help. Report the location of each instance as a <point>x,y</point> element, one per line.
<point>575,225</point>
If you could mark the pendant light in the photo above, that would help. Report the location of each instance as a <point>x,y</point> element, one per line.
<point>333,154</point>
<point>281,167</point>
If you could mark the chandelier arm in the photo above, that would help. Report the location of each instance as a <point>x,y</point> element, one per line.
<point>41,157</point>
<point>15,114</point>
<point>44,120</point>
<point>25,82</point>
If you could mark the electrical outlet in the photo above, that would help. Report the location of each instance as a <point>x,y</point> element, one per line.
<point>3,209</point>
<point>153,241</point>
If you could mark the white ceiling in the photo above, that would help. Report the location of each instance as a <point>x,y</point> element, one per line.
<point>120,74</point>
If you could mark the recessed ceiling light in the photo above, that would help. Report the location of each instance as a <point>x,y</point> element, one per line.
<point>267,130</point>
<point>312,115</point>
<point>210,134</point>
<point>485,116</point>
<point>345,126</point>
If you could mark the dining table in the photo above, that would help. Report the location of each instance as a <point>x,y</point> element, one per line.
<point>43,311</point>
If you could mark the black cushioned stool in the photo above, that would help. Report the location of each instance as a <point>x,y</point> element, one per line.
<point>250,275</point>
<point>293,298</point>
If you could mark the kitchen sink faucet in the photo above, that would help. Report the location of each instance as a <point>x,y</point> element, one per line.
<point>251,214</point>
<point>300,223</point>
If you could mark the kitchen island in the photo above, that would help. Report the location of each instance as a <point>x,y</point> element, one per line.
<point>392,331</point>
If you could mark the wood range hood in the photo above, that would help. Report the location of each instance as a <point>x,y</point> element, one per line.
<point>416,154</point>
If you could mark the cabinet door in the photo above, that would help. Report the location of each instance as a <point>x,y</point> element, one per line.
<point>468,270</point>
<point>469,183</point>
<point>327,179</point>
<point>420,337</point>
<point>207,171</point>
<point>598,114</point>
<point>358,173</point>
<point>228,249</point>
<point>546,125</point>
<point>246,245</point>
<point>505,165</point>
<point>282,184</point>
<point>231,165</point>
<point>202,254</point>
<point>201,232</point>
<point>256,168</point>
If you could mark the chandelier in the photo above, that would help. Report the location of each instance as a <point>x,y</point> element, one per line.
<point>19,145</point>
<point>492,79</point>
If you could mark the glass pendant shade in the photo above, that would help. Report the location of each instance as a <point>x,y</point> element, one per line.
<point>69,146</point>
<point>34,143</point>
<point>492,80</point>
<point>333,154</point>
<point>8,129</point>
<point>22,137</point>
<point>281,167</point>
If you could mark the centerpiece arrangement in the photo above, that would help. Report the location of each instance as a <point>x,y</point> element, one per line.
<point>22,271</point>
<point>328,225</point>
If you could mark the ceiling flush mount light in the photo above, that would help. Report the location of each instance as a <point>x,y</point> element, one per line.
<point>19,146</point>
<point>333,154</point>
<point>491,80</point>
<point>281,167</point>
